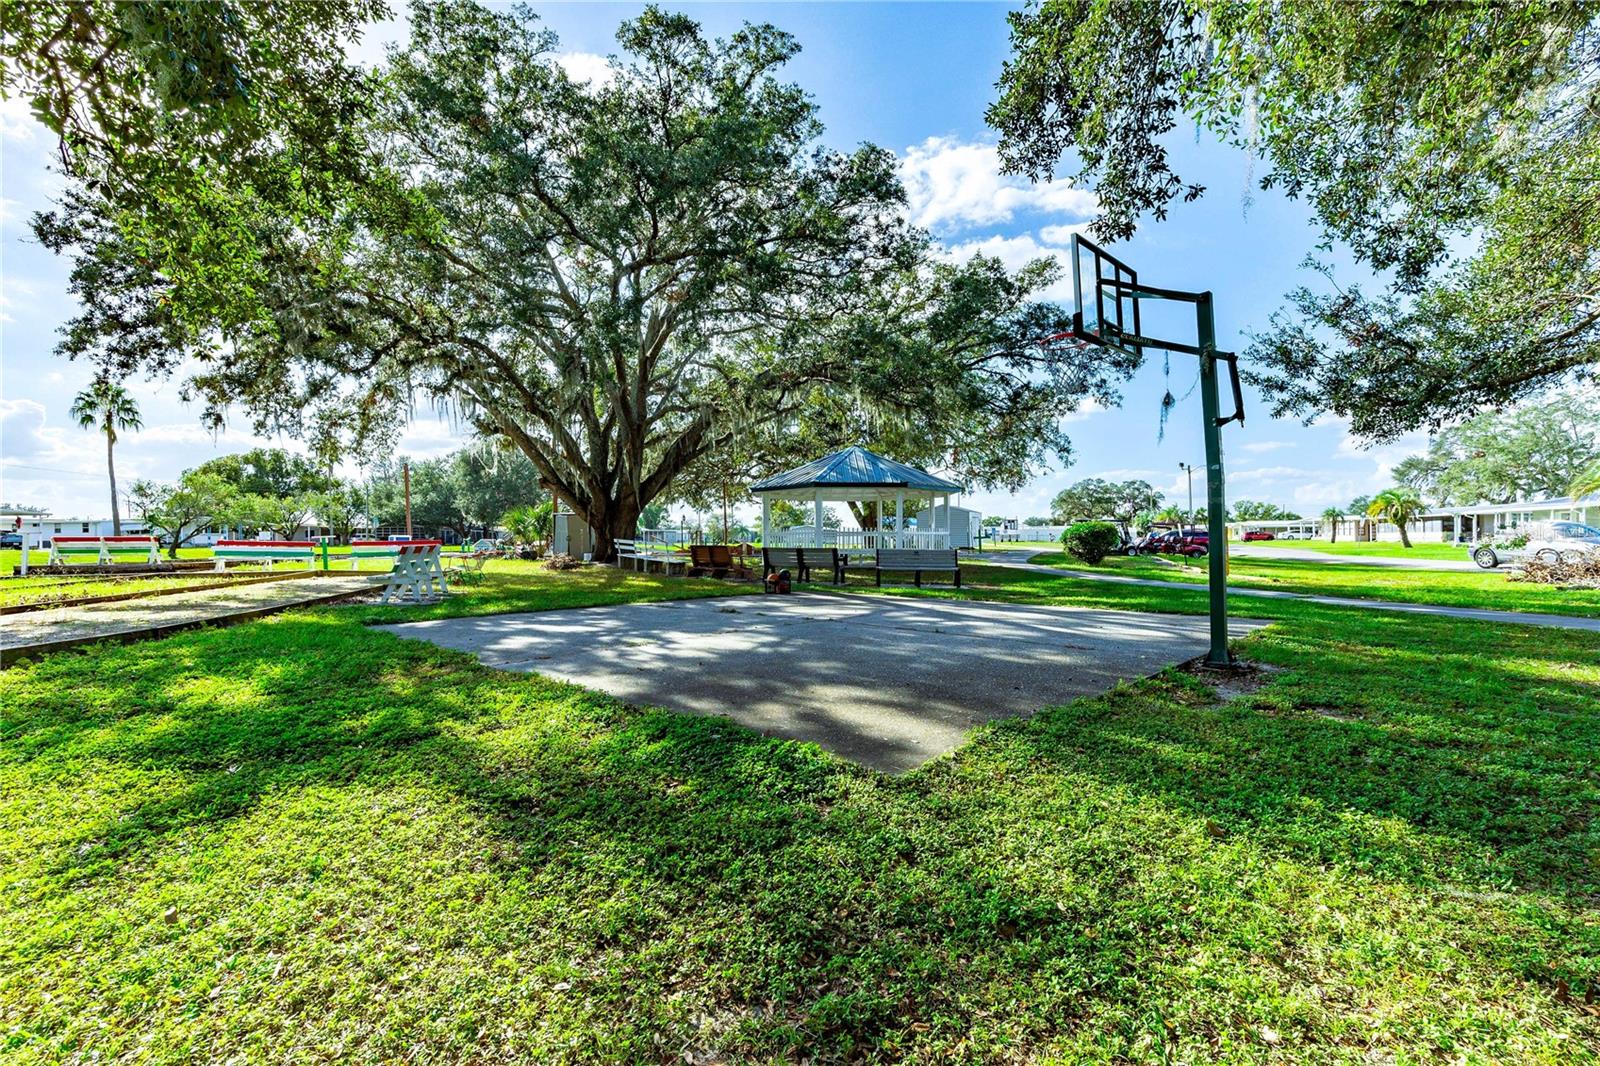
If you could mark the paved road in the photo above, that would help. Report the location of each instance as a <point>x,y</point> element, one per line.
<point>33,632</point>
<point>1526,618</point>
<point>1260,551</point>
<point>890,683</point>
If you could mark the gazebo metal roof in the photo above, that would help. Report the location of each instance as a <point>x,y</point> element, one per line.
<point>856,468</point>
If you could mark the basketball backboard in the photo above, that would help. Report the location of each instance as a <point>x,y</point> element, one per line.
<point>1106,308</point>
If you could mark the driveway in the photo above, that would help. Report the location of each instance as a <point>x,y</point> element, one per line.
<point>889,683</point>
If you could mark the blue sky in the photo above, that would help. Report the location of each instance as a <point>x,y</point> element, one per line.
<point>915,78</point>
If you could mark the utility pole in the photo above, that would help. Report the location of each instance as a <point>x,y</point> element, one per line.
<point>1188,468</point>
<point>405,469</point>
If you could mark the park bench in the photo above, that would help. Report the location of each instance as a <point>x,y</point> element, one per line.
<point>790,559</point>
<point>264,551</point>
<point>417,574</point>
<point>378,549</point>
<point>716,560</point>
<point>65,549</point>
<point>917,561</point>
<point>630,554</point>
<point>830,560</point>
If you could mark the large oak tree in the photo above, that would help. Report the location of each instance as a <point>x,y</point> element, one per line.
<point>617,277</point>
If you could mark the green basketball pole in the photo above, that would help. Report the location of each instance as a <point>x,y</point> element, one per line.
<point>1216,497</point>
<point>1110,287</point>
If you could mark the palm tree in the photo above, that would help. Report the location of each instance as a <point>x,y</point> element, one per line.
<point>1399,505</point>
<point>1588,481</point>
<point>1331,516</point>
<point>106,406</point>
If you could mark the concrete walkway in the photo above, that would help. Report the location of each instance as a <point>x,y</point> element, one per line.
<point>1524,618</point>
<point>887,682</point>
<point>35,632</point>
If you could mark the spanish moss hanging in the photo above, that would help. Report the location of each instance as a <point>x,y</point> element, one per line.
<point>1169,401</point>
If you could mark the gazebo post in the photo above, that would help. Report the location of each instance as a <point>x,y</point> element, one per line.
<point>900,518</point>
<point>766,519</point>
<point>816,541</point>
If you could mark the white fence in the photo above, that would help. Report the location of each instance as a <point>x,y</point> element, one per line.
<point>858,539</point>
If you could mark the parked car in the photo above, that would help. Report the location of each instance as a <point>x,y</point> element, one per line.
<point>10,540</point>
<point>1152,543</point>
<point>1258,534</point>
<point>1191,542</point>
<point>1549,543</point>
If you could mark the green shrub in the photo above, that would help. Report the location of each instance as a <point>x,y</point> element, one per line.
<point>1090,541</point>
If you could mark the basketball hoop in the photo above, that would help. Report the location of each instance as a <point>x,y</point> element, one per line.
<point>1107,295</point>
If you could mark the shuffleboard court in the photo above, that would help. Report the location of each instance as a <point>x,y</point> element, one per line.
<point>885,681</point>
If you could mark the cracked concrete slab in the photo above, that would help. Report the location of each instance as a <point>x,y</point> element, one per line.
<point>887,682</point>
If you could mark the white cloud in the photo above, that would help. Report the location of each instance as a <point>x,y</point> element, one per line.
<point>1271,473</point>
<point>1062,235</point>
<point>1015,253</point>
<point>953,186</point>
<point>16,120</point>
<point>1258,447</point>
<point>586,67</point>
<point>14,291</point>
<point>22,429</point>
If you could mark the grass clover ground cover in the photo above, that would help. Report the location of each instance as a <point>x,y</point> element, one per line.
<point>1448,588</point>
<point>302,837</point>
<point>1373,548</point>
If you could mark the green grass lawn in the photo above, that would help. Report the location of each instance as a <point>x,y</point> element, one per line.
<point>301,838</point>
<point>1380,548</point>
<point>1488,589</point>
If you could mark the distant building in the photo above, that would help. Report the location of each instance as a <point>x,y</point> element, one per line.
<point>1466,524</point>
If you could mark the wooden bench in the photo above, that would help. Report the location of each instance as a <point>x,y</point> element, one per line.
<point>376,549</point>
<point>716,560</point>
<point>62,549</point>
<point>827,559</point>
<point>790,559</point>
<point>917,561</point>
<point>265,551</point>
<point>418,574</point>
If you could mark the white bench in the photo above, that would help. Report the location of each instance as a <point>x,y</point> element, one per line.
<point>102,548</point>
<point>265,551</point>
<point>418,573</point>
<point>630,554</point>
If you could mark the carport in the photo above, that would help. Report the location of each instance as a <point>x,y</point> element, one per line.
<point>888,682</point>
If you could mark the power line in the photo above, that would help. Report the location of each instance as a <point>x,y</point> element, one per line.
<point>50,470</point>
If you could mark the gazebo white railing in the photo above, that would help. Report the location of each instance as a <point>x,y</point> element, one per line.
<point>857,539</point>
<point>856,475</point>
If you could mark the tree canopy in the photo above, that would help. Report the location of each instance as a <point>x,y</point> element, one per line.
<point>1259,511</point>
<point>187,124</point>
<point>1532,450</point>
<point>270,472</point>
<point>618,277</point>
<point>1119,501</point>
<point>1451,147</point>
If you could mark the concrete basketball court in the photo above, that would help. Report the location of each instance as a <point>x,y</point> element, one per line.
<point>887,682</point>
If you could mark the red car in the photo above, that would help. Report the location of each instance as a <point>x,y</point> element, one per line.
<point>1258,534</point>
<point>1191,542</point>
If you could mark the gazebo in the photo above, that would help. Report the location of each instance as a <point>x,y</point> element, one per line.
<point>856,475</point>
